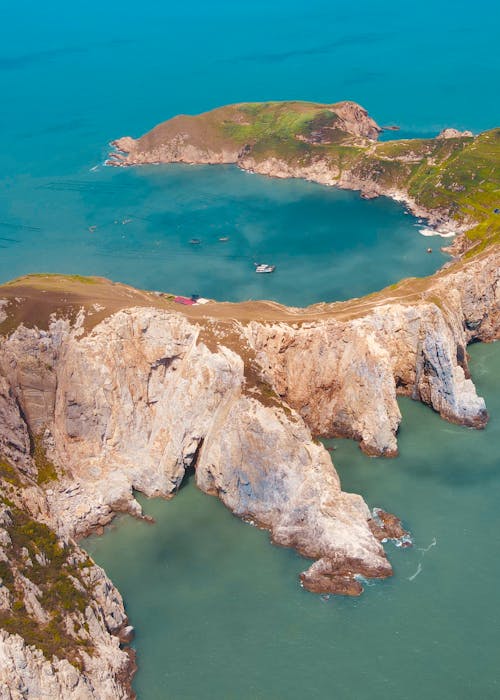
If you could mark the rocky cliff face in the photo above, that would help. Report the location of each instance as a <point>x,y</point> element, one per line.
<point>63,620</point>
<point>453,134</point>
<point>331,173</point>
<point>90,413</point>
<point>26,673</point>
<point>343,377</point>
<point>142,398</point>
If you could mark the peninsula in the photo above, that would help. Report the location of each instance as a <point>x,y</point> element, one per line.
<point>452,180</point>
<point>106,390</point>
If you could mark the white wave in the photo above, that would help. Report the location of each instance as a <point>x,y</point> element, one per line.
<point>414,576</point>
<point>434,232</point>
<point>426,549</point>
<point>404,541</point>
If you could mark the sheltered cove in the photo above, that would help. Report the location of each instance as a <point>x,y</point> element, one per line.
<point>105,389</point>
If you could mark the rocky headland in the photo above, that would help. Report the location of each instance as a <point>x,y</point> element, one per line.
<point>106,390</point>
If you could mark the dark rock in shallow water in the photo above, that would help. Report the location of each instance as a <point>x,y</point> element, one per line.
<point>340,575</point>
<point>386,526</point>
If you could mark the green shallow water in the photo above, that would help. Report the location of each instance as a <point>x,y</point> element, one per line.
<point>220,614</point>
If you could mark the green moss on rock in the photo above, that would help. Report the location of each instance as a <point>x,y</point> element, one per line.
<point>8,472</point>
<point>51,568</point>
<point>46,470</point>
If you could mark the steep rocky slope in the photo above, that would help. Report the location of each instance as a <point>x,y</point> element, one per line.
<point>343,376</point>
<point>139,399</point>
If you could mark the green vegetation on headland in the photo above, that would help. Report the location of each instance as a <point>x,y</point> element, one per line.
<point>460,177</point>
<point>276,120</point>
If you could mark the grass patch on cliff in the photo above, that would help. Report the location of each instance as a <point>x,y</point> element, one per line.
<point>38,555</point>
<point>51,639</point>
<point>483,235</point>
<point>467,183</point>
<point>286,130</point>
<point>270,120</point>
<point>8,472</point>
<point>46,470</point>
<point>33,299</point>
<point>74,278</point>
<point>289,150</point>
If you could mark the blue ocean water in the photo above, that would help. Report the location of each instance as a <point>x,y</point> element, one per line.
<point>73,78</point>
<point>220,614</point>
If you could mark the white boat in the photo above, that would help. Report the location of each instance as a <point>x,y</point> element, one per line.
<point>264,268</point>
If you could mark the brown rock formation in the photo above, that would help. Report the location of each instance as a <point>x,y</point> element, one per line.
<point>142,397</point>
<point>387,526</point>
<point>453,134</point>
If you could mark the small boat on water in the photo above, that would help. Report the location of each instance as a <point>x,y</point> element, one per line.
<point>195,241</point>
<point>224,239</point>
<point>260,268</point>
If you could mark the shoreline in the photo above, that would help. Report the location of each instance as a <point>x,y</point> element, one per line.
<point>443,226</point>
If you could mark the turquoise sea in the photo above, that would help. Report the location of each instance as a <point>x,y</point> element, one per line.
<point>220,613</point>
